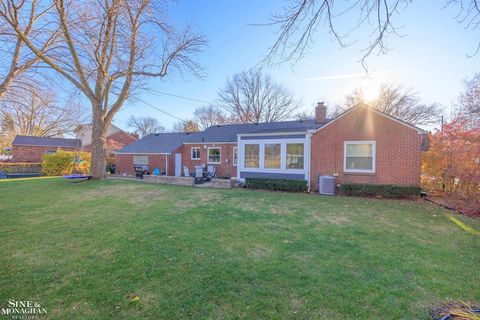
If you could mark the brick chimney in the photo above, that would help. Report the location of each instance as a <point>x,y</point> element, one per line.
<point>320,112</point>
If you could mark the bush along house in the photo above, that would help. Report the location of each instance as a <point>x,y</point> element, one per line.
<point>361,145</point>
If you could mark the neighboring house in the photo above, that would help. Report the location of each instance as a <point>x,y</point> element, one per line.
<point>116,137</point>
<point>31,149</point>
<point>362,145</point>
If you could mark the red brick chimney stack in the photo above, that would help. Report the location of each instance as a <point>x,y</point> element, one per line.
<point>320,112</point>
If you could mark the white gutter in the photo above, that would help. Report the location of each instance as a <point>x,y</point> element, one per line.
<point>146,153</point>
<point>270,134</point>
<point>309,157</point>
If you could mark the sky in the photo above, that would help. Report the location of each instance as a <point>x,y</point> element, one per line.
<point>430,57</point>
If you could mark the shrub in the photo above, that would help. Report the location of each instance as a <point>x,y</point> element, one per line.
<point>21,167</point>
<point>277,184</point>
<point>379,190</point>
<point>63,163</point>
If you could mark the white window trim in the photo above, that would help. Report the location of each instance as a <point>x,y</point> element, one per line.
<point>234,163</point>
<point>281,149</point>
<point>191,153</point>
<point>208,155</point>
<point>374,156</point>
<point>283,155</point>
<point>143,164</point>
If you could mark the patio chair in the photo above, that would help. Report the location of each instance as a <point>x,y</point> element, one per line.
<point>211,172</point>
<point>198,175</point>
<point>186,171</point>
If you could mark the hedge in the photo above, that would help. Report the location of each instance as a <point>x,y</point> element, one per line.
<point>277,184</point>
<point>379,190</point>
<point>62,163</point>
<point>21,167</point>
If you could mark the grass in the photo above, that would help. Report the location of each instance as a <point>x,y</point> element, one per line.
<point>85,250</point>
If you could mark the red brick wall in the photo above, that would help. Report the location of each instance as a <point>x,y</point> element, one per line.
<point>120,139</point>
<point>397,149</point>
<point>224,169</point>
<point>32,153</point>
<point>125,163</point>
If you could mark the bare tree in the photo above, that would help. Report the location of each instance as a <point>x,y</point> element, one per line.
<point>144,125</point>
<point>468,106</point>
<point>254,97</point>
<point>36,112</point>
<point>398,102</point>
<point>210,115</point>
<point>17,59</point>
<point>186,126</point>
<point>304,115</point>
<point>106,50</point>
<point>298,22</point>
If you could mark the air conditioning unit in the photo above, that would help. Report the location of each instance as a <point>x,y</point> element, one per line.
<point>326,185</point>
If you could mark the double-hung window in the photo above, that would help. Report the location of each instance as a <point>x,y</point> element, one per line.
<point>196,153</point>
<point>359,156</point>
<point>295,156</point>
<point>272,156</point>
<point>252,156</point>
<point>235,156</point>
<point>214,155</point>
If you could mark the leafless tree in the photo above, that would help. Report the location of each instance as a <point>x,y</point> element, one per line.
<point>468,106</point>
<point>186,126</point>
<point>144,125</point>
<point>397,101</point>
<point>36,112</point>
<point>210,115</point>
<point>255,97</point>
<point>298,22</point>
<point>304,115</point>
<point>17,59</point>
<point>106,50</point>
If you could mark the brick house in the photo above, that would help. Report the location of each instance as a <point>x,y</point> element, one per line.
<point>31,149</point>
<point>362,145</point>
<point>115,137</point>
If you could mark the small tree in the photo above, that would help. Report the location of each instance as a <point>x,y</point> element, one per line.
<point>255,97</point>
<point>144,125</point>
<point>186,126</point>
<point>453,160</point>
<point>37,112</point>
<point>397,101</point>
<point>207,116</point>
<point>468,107</point>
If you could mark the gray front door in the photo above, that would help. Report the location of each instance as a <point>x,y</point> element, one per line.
<point>178,164</point>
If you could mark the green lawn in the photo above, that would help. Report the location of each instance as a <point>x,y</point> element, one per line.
<point>84,250</point>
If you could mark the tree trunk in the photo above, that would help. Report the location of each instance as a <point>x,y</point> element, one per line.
<point>99,130</point>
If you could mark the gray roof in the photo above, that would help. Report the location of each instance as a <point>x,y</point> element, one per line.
<point>46,142</point>
<point>168,142</point>
<point>158,143</point>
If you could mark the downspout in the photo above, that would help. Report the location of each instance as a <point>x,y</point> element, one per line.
<point>309,163</point>
<point>166,164</point>
<point>238,158</point>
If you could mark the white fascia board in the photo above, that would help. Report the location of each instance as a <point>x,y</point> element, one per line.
<point>270,134</point>
<point>142,153</point>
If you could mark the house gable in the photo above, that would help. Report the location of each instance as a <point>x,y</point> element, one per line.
<point>396,148</point>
